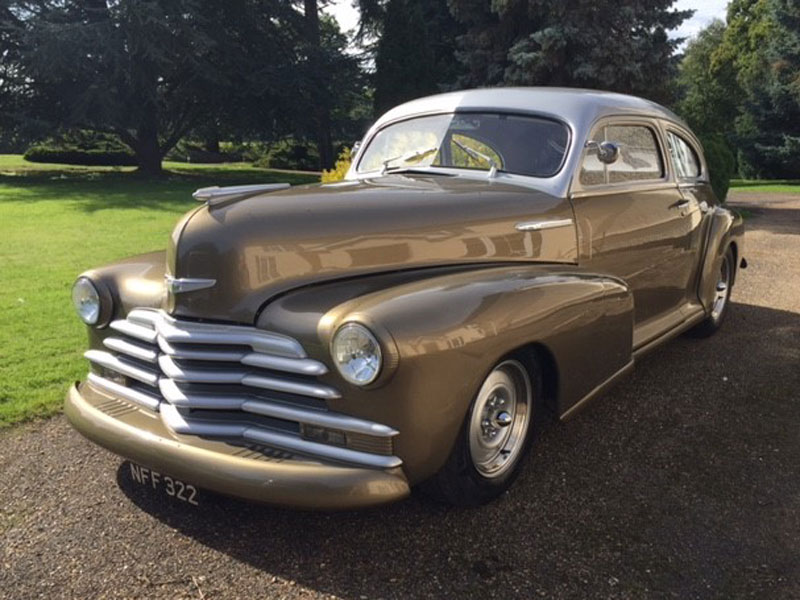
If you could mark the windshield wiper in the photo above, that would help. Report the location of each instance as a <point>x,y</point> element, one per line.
<point>478,156</point>
<point>415,155</point>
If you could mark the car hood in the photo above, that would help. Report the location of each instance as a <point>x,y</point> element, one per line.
<point>267,244</point>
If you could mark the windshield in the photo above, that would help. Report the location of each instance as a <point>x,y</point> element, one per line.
<point>511,143</point>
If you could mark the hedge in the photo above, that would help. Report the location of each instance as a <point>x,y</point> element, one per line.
<point>93,158</point>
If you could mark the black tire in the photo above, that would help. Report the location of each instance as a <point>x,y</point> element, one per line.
<point>712,323</point>
<point>461,482</point>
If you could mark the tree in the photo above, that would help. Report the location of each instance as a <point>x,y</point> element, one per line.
<point>710,92</point>
<point>621,45</point>
<point>415,54</point>
<point>762,42</point>
<point>147,70</point>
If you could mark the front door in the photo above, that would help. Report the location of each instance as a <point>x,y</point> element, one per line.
<point>634,223</point>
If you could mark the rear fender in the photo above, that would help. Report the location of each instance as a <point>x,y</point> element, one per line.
<point>727,227</point>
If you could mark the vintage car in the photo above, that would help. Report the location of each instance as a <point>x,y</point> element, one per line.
<point>494,258</point>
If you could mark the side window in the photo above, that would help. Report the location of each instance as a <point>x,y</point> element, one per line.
<point>639,157</point>
<point>687,165</point>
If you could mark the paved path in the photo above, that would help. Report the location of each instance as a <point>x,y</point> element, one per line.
<point>682,482</point>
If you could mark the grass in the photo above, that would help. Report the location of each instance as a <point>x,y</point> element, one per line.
<point>778,186</point>
<point>58,220</point>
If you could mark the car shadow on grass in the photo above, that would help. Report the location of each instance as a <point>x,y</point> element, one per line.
<point>682,481</point>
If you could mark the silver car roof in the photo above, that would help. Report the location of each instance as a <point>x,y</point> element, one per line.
<point>577,107</point>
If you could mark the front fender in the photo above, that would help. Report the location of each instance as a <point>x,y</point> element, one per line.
<point>445,333</point>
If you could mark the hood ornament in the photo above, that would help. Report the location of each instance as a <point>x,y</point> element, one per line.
<point>186,284</point>
<point>216,196</point>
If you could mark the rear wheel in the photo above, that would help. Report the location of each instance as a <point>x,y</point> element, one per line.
<point>722,293</point>
<point>496,435</point>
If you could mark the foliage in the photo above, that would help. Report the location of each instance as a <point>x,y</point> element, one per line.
<point>290,154</point>
<point>622,45</point>
<point>708,84</point>
<point>79,147</point>
<point>415,54</point>
<point>721,164</point>
<point>56,222</point>
<point>148,71</point>
<point>340,168</point>
<point>762,43</point>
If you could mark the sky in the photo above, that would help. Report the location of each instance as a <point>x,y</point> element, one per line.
<point>706,10</point>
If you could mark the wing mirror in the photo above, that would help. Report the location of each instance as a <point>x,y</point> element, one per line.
<point>607,152</point>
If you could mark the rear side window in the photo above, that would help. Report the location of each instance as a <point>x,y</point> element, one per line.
<point>687,164</point>
<point>639,157</point>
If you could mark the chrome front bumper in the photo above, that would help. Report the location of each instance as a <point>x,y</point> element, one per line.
<point>140,435</point>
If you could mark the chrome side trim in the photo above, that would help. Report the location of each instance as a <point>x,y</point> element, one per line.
<point>540,225</point>
<point>183,424</point>
<point>177,397</point>
<point>186,284</point>
<point>216,195</point>
<point>145,353</point>
<point>135,396</point>
<point>238,376</point>
<point>109,361</point>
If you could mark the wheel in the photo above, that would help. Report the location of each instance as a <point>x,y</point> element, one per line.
<point>719,307</point>
<point>496,435</point>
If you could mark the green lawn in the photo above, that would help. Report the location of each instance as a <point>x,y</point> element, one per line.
<point>58,220</point>
<point>778,186</point>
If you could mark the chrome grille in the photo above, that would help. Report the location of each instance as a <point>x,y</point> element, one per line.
<point>237,384</point>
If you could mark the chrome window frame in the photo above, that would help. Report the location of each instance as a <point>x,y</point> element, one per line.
<point>356,174</point>
<point>579,189</point>
<point>694,145</point>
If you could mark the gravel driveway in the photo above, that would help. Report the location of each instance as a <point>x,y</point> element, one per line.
<point>684,481</point>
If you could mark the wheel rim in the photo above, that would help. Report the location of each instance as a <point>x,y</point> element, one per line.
<point>722,290</point>
<point>500,420</point>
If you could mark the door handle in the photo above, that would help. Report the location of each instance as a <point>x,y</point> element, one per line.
<point>681,204</point>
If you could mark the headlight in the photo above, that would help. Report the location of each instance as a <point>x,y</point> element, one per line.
<point>86,300</point>
<point>357,354</point>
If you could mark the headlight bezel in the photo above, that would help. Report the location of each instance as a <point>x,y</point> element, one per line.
<point>104,302</point>
<point>372,338</point>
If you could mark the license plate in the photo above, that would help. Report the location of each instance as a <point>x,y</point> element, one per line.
<point>170,486</point>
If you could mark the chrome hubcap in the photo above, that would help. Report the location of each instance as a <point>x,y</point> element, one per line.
<point>722,292</point>
<point>500,419</point>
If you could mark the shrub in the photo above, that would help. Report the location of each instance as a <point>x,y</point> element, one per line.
<point>194,152</point>
<point>82,148</point>
<point>721,164</point>
<point>340,169</point>
<point>290,154</point>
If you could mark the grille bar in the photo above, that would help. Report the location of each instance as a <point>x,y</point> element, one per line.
<point>181,423</point>
<point>121,365</point>
<point>173,370</point>
<point>135,396</point>
<point>178,397</point>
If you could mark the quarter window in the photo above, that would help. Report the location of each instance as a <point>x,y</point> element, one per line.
<point>687,165</point>
<point>639,157</point>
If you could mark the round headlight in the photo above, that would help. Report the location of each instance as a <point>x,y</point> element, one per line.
<point>86,300</point>
<point>357,354</point>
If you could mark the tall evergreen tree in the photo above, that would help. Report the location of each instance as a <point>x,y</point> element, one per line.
<point>621,45</point>
<point>415,55</point>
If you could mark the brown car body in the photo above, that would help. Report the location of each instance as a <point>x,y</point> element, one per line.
<point>451,274</point>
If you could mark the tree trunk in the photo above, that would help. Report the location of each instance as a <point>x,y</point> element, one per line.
<point>148,152</point>
<point>322,113</point>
